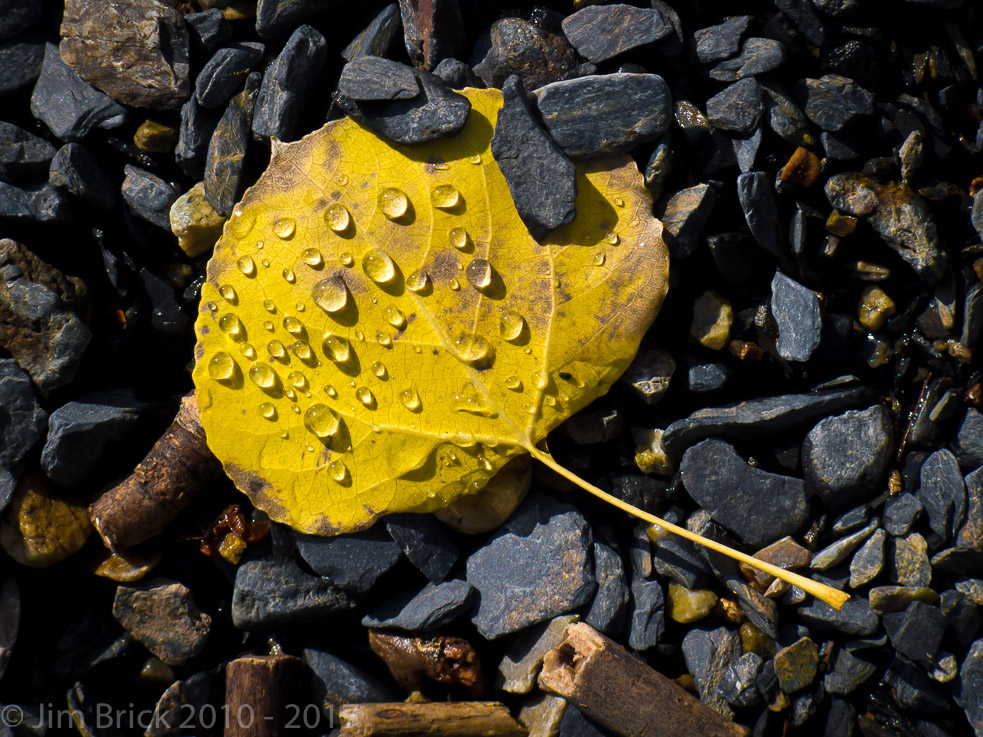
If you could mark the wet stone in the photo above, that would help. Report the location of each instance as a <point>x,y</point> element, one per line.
<point>431,31</point>
<point>968,443</point>
<point>757,197</point>
<point>869,560</point>
<point>759,56</point>
<point>207,30</point>
<point>713,318</point>
<point>227,150</point>
<point>167,317</point>
<point>755,505</point>
<point>269,594</point>
<point>20,61</point>
<point>737,108</point>
<point>528,156</point>
<point>942,493</point>
<point>846,456</point>
<point>796,665</point>
<point>796,310</point>
<point>353,562</point>
<point>136,51</point>
<point>909,564</point>
<point>197,127</point>
<point>916,632</point>
<point>225,72</point>
<point>424,542</point>
<point>524,654</point>
<point>687,605</point>
<point>516,46</point>
<point>607,611</point>
<point>435,113</point>
<point>885,599</point>
<point>721,41</point>
<point>79,436</point>
<point>650,374</point>
<point>23,155</point>
<point>287,84</point>
<point>707,654</point>
<point>67,105</point>
<point>833,102</point>
<point>836,553</point>
<point>738,685</point>
<point>335,681</point>
<point>276,17</point>
<point>429,609</point>
<point>378,37</point>
<point>163,617</point>
<point>40,529</point>
<point>535,567</point>
<point>848,674</point>
<point>684,217</point>
<point>786,119</point>
<point>372,78</point>
<point>855,618</point>
<point>609,113</point>
<point>901,217</point>
<point>602,32</point>
<point>194,222</point>
<point>678,560</point>
<point>148,196</point>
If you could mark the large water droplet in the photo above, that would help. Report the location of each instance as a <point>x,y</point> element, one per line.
<point>262,375</point>
<point>232,326</point>
<point>321,420</point>
<point>268,305</point>
<point>445,196</point>
<point>365,396</point>
<point>599,259</point>
<point>458,238</point>
<point>338,471</point>
<point>247,266</point>
<point>302,350</point>
<point>513,383</point>
<point>330,294</point>
<point>275,348</point>
<point>393,203</point>
<point>292,325</point>
<point>241,223</point>
<point>512,326</point>
<point>336,348</point>
<point>267,410</point>
<point>479,273</point>
<point>284,227</point>
<point>612,238</point>
<point>312,257</point>
<point>221,367</point>
<point>297,379</point>
<point>289,275</point>
<point>383,339</point>
<point>378,266</point>
<point>418,281</point>
<point>337,217</point>
<point>379,369</point>
<point>248,351</point>
<point>473,349</point>
<point>410,398</point>
<point>395,317</point>
<point>227,293</point>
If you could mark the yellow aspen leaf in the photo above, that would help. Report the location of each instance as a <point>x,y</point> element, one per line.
<point>379,333</point>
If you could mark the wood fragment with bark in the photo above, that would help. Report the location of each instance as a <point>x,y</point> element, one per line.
<point>436,719</point>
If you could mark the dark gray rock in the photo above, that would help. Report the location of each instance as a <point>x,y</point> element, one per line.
<point>528,156</point>
<point>909,564</point>
<point>968,691</point>
<point>436,113</point>
<point>20,61</point>
<point>680,561</point>
<point>970,535</point>
<point>684,217</point>
<point>207,30</point>
<point>287,84</point>
<point>607,611</point>
<point>912,689</point>
<point>707,654</point>
<point>429,609</point>
<point>17,16</point>
<point>227,149</point>
<point>900,513</point>
<point>833,102</point>
<point>225,72</point>
<point>757,506</point>
<point>746,150</point>
<point>602,32</point>
<point>841,146</point>
<point>842,717</point>
<point>335,681</point>
<point>535,567</point>
<point>703,378</point>
<point>457,75</point>
<point>353,562</point>
<point>962,615</point>
<point>954,562</point>
<point>372,78</point>
<point>972,316</point>
<point>79,436</point>
<point>163,617</point>
<point>35,204</point>
<point>739,682</point>
<point>721,41</point>
<point>968,444</point>
<point>737,108</point>
<point>759,56</point>
<point>431,31</point>
<point>8,485</point>
<point>759,418</point>
<point>22,421</point>
<point>976,214</point>
<point>517,46</point>
<point>648,617</point>
<point>796,311</point>
<point>851,521</point>
<point>803,15</point>
<point>785,118</point>
<point>867,564</point>
<point>270,594</point>
<point>277,17</point>
<point>168,316</point>
<point>67,105</point>
<point>942,493</point>
<point>757,197</point>
<point>78,173</point>
<point>23,155</point>
<point>197,127</point>
<point>855,618</point>
<point>845,457</point>
<point>148,196</point>
<point>916,632</point>
<point>837,552</point>
<point>848,674</point>
<point>607,113</point>
<point>575,724</point>
<point>424,542</point>
<point>379,37</point>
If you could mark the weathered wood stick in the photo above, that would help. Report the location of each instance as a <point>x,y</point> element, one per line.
<point>439,718</point>
<point>618,690</point>
<point>163,483</point>
<point>256,689</point>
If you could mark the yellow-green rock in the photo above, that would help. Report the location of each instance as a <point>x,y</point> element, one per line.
<point>38,529</point>
<point>712,319</point>
<point>754,640</point>
<point>194,222</point>
<point>796,665</point>
<point>232,9</point>
<point>689,605</point>
<point>154,137</point>
<point>875,308</point>
<point>650,455</point>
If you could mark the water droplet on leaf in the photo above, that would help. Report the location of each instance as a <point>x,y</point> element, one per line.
<point>267,410</point>
<point>458,238</point>
<point>330,294</point>
<point>378,266</point>
<point>365,396</point>
<point>445,196</point>
<point>292,325</point>
<point>337,217</point>
<point>336,348</point>
<point>512,326</point>
<point>410,399</point>
<point>418,281</point>
<point>395,317</point>
<point>262,375</point>
<point>479,273</point>
<point>379,369</point>
<point>513,383</point>
<point>275,348</point>
<point>302,350</point>
<point>247,266</point>
<point>297,379</point>
<point>284,228</point>
<point>312,257</point>
<point>321,420</point>
<point>338,471</point>
<point>232,326</point>
<point>393,203</point>
<point>289,275</point>
<point>221,367</point>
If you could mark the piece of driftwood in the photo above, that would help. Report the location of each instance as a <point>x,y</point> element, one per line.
<point>618,690</point>
<point>412,660</point>
<point>163,483</point>
<point>258,690</point>
<point>439,718</point>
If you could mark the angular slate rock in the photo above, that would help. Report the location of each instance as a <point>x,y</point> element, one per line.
<point>23,155</point>
<point>168,316</point>
<point>372,78</point>
<point>163,617</point>
<point>17,16</point>
<point>227,150</point>
<point>757,506</point>
<point>971,533</point>
<point>575,724</point>
<point>796,665</point>
<point>67,105</point>
<point>270,594</point>
<point>225,72</point>
<point>963,617</point>
<point>8,485</point>
<point>78,173</point>
<point>148,196</point>
<point>276,17</point>
<point>378,37</point>
<point>837,552</point>
<point>287,84</point>
<point>602,32</point>
<point>976,214</point>
<point>335,681</point>
<point>431,31</point>
<point>79,436</point>
<point>833,102</point>
<point>968,691</point>
<point>435,113</point>
<point>916,632</point>
<point>746,150</point>
<point>207,30</point>
<point>608,113</point>
<point>684,217</point>
<point>457,75</point>
<point>353,562</point>
<point>848,674</point>
<point>535,567</point>
<point>855,618</point>
<point>796,311</point>
<point>707,654</point>
<point>803,15</point>
<point>136,51</point>
<point>912,689</point>
<point>678,560</point>
<point>22,421</point>
<point>607,611</point>
<point>528,156</point>
<point>785,118</point>
<point>909,564</point>
<point>900,513</point>
<point>757,197</point>
<point>424,542</point>
<point>759,56</point>
<point>738,685</point>
<point>737,108</point>
<point>34,204</point>
<point>721,41</point>
<point>429,609</point>
<point>648,617</point>
<point>942,493</point>
<point>968,443</point>
<point>197,127</point>
<point>869,560</point>
<point>20,61</point>
<point>759,418</point>
<point>846,456</point>
<point>517,46</point>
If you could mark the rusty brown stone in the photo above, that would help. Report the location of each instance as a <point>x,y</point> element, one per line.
<point>163,617</point>
<point>412,660</point>
<point>803,168</point>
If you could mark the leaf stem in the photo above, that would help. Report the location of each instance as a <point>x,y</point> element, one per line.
<point>834,597</point>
